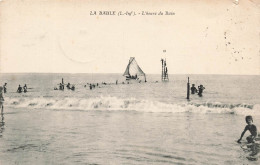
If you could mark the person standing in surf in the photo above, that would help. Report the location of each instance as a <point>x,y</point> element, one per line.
<point>61,87</point>
<point>1,99</point>
<point>252,129</point>
<point>5,89</point>
<point>201,88</point>
<point>25,88</point>
<point>19,90</point>
<point>193,89</point>
<point>68,86</point>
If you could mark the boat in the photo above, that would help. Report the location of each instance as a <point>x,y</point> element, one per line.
<point>133,71</point>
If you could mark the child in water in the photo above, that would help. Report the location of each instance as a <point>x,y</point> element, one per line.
<point>252,129</point>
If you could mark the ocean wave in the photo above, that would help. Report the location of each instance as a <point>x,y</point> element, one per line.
<point>128,104</point>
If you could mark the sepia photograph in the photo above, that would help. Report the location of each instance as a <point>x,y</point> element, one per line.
<point>129,82</point>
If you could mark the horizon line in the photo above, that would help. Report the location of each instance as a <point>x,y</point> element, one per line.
<point>122,74</point>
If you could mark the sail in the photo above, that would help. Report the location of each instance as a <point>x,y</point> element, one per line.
<point>133,68</point>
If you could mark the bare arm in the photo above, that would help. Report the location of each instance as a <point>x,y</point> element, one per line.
<point>242,134</point>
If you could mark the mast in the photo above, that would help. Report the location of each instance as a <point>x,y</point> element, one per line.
<point>164,70</point>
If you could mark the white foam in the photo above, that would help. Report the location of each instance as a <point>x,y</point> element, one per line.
<point>114,103</point>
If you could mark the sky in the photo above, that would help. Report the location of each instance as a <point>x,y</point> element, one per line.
<point>203,37</point>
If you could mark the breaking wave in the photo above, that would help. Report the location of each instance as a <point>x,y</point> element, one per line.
<point>128,104</point>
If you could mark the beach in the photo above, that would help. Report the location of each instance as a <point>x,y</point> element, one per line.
<point>136,123</point>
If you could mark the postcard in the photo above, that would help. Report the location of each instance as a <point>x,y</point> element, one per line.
<point>129,82</point>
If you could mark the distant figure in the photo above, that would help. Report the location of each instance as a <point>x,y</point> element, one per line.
<point>24,88</point>
<point>251,128</point>
<point>201,88</point>
<point>68,86</point>
<point>85,86</point>
<point>90,86</point>
<point>193,89</point>
<point>123,82</point>
<point>5,90</point>
<point>61,87</point>
<point>73,87</point>
<point>97,84</point>
<point>1,99</point>
<point>116,82</point>
<point>19,90</point>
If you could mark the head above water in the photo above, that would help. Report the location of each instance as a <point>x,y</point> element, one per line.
<point>249,118</point>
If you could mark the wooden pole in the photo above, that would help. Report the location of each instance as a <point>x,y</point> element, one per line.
<point>164,69</point>
<point>188,89</point>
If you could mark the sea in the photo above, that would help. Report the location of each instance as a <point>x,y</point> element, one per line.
<point>126,123</point>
